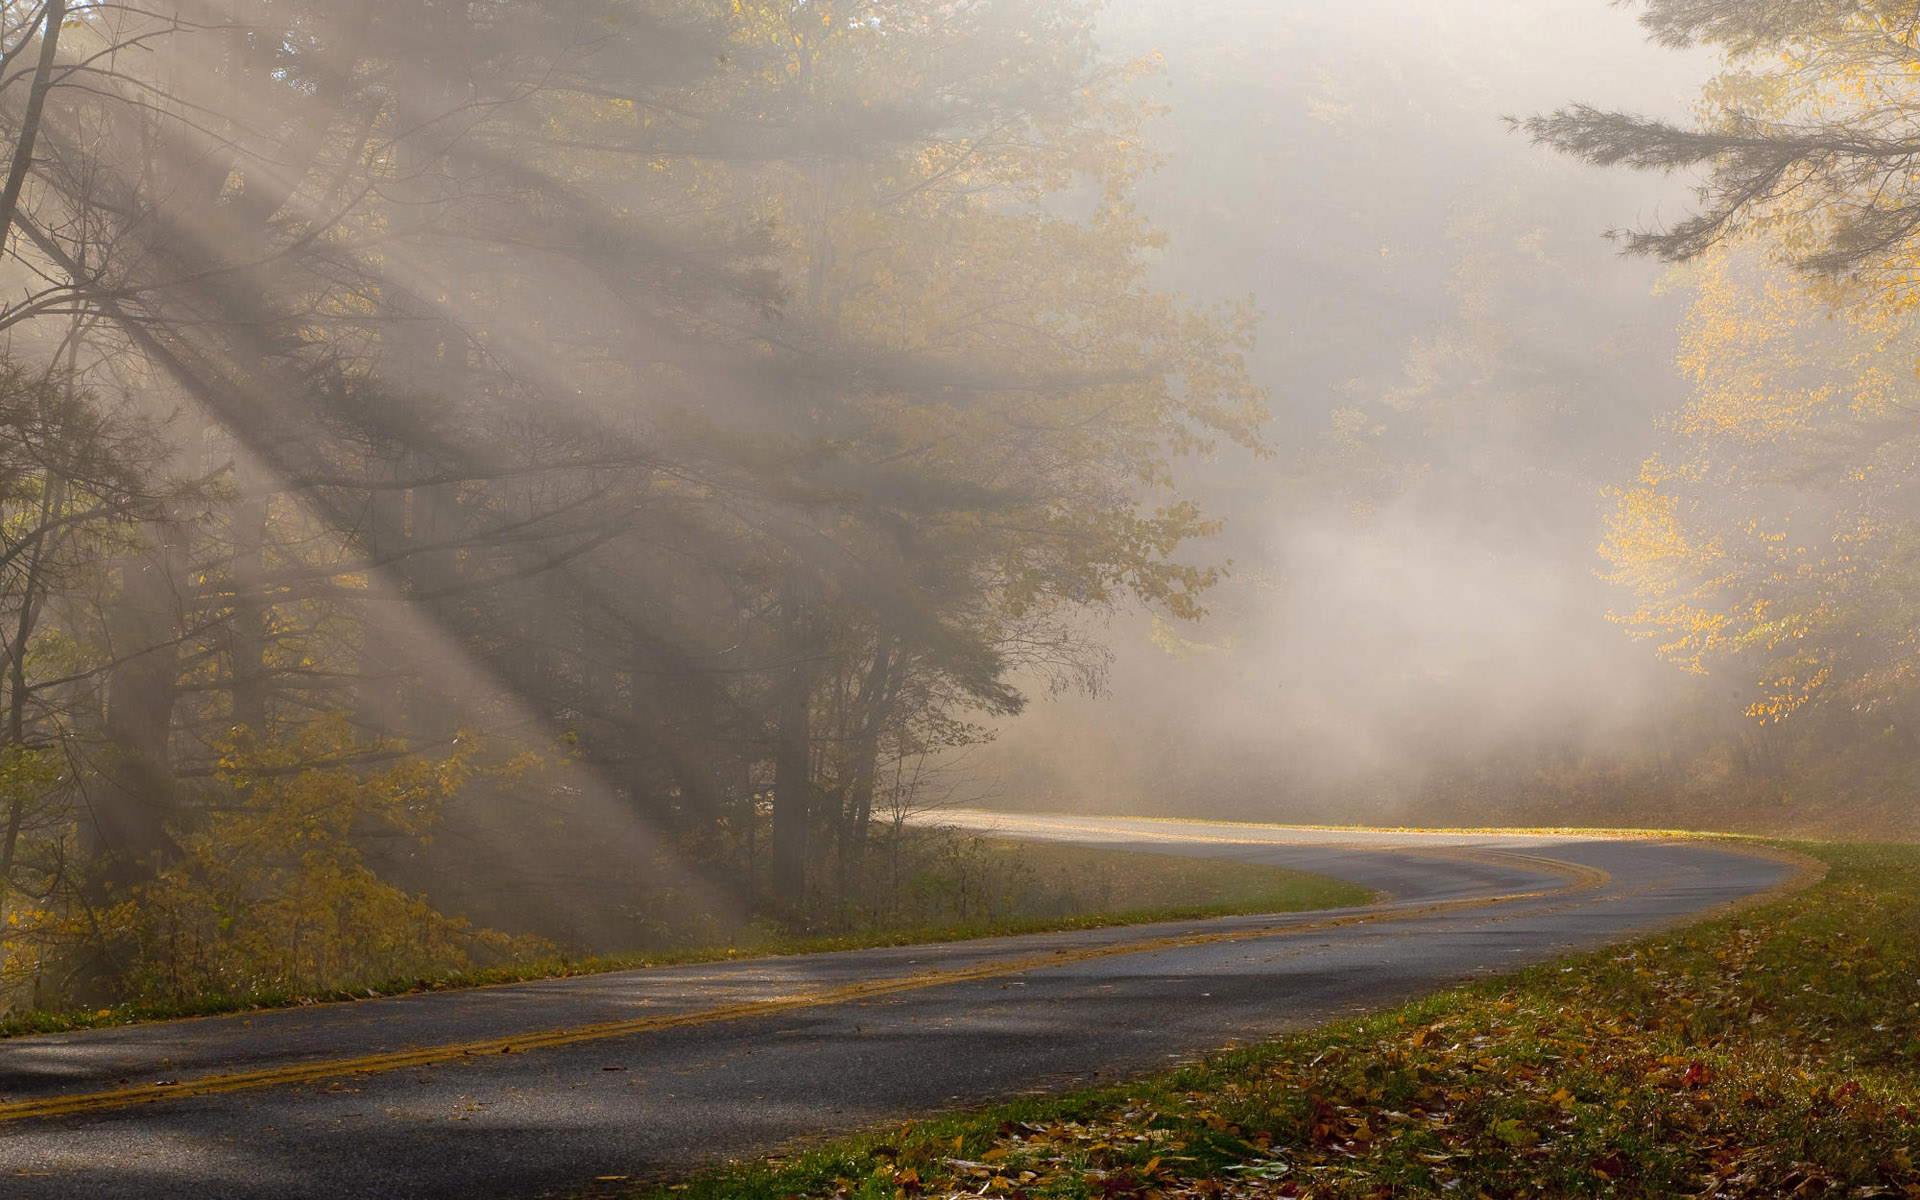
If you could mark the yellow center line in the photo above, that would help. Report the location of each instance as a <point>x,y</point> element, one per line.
<point>1580,878</point>
<point>1401,840</point>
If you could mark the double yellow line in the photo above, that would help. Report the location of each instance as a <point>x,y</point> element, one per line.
<point>1580,878</point>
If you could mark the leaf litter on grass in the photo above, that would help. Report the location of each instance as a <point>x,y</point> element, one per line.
<point>1775,1053</point>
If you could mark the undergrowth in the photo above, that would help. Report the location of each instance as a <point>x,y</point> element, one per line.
<point>1088,888</point>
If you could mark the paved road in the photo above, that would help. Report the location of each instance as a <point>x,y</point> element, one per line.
<point>538,1089</point>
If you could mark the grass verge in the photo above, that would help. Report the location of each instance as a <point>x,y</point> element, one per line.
<point>1155,887</point>
<point>1771,1053</point>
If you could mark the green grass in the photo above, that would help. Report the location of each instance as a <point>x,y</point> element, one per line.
<point>1083,890</point>
<point>1771,1053</point>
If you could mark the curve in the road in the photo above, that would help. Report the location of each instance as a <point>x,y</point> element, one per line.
<point>68,1096</point>
<point>515,1090</point>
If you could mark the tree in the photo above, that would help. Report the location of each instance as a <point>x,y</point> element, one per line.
<point>1775,536</point>
<point>997,486</point>
<point>1773,539</point>
<point>735,394</point>
<point>1807,138</point>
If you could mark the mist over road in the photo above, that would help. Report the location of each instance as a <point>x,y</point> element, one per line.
<point>544,1087</point>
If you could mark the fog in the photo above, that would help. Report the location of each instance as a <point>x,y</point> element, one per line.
<point>489,481</point>
<point>1460,363</point>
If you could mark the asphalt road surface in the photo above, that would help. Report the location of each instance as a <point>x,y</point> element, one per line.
<point>545,1088</point>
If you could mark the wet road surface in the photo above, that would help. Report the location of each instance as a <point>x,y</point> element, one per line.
<point>541,1088</point>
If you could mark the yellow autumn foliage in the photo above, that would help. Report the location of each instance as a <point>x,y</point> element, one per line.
<point>1849,70</point>
<point>273,891</point>
<point>1773,538</point>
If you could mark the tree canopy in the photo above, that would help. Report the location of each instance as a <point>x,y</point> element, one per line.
<point>610,423</point>
<point>1771,540</point>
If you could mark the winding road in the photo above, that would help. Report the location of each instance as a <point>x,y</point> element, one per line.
<point>564,1086</point>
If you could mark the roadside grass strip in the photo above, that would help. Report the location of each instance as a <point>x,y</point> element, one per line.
<point>1772,1052</point>
<point>127,1094</point>
<point>1158,887</point>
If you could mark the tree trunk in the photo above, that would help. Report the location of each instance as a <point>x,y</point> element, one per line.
<point>248,630</point>
<point>124,831</point>
<point>877,696</point>
<point>22,163</point>
<point>52,499</point>
<point>379,677</point>
<point>793,757</point>
<point>792,789</point>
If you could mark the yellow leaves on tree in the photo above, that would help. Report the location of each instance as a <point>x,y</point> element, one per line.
<point>1774,537</point>
<point>1670,574</point>
<point>274,892</point>
<point>1840,84</point>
